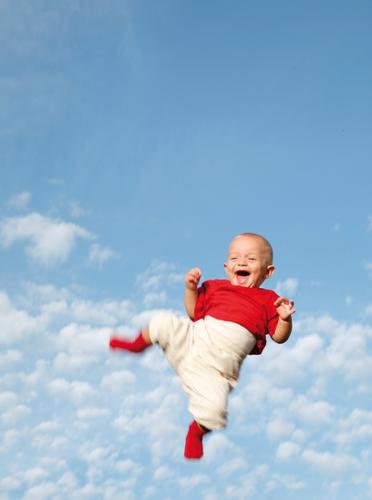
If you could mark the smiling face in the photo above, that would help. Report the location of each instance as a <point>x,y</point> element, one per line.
<point>249,261</point>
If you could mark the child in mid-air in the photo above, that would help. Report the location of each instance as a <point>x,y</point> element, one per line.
<point>228,319</point>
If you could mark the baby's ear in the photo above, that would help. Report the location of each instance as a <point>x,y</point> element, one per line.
<point>270,271</point>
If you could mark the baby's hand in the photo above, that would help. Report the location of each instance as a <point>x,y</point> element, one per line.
<point>284,307</point>
<point>192,278</point>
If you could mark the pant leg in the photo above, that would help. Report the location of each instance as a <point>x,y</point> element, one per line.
<point>208,393</point>
<point>174,334</point>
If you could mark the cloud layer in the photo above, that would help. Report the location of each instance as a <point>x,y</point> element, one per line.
<point>48,241</point>
<point>92,424</point>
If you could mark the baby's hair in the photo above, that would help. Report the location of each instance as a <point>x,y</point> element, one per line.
<point>268,248</point>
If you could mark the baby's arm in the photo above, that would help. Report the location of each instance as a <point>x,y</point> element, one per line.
<point>284,327</point>
<point>191,290</point>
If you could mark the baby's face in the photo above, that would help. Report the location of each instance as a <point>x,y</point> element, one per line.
<point>247,263</point>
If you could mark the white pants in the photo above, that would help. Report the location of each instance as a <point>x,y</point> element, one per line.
<point>207,356</point>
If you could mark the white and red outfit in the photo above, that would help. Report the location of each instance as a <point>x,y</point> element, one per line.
<point>229,323</point>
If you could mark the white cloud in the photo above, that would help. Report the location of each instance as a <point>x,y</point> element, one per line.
<point>348,353</point>
<point>290,362</point>
<point>155,361</point>
<point>155,298</point>
<point>15,324</point>
<point>70,363</point>
<point>82,339</point>
<point>106,312</point>
<point>21,200</point>
<point>40,373</point>
<point>216,445</point>
<point>9,483</point>
<point>306,348</point>
<point>10,437</point>
<point>158,275</point>
<point>232,466</point>
<point>99,254</point>
<point>92,412</point>
<point>10,358</point>
<point>163,473</point>
<point>330,463</point>
<point>43,490</point>
<point>8,398</point>
<point>288,287</point>
<point>67,482</point>
<point>48,241</point>
<point>356,427</point>
<point>287,450</point>
<point>96,455</point>
<point>277,428</point>
<point>47,426</point>
<point>115,381</point>
<point>34,294</point>
<point>284,403</point>
<point>153,414</point>
<point>190,482</point>
<point>54,302</point>
<point>344,351</point>
<point>313,412</point>
<point>129,466</point>
<point>75,391</point>
<point>15,413</point>
<point>279,480</point>
<point>53,309</point>
<point>242,489</point>
<point>279,396</point>
<point>322,325</point>
<point>34,474</point>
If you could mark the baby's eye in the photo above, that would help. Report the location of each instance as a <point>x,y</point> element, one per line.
<point>251,259</point>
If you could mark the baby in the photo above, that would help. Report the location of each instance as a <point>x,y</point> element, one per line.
<point>228,319</point>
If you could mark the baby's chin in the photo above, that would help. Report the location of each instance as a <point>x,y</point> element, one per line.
<point>241,281</point>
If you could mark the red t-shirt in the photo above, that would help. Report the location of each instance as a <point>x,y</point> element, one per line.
<point>252,308</point>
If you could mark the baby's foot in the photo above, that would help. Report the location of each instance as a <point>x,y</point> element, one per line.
<point>133,345</point>
<point>194,441</point>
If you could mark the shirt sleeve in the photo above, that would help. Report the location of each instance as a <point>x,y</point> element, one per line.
<point>272,314</point>
<point>199,312</point>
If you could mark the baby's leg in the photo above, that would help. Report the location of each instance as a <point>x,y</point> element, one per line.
<point>137,345</point>
<point>194,441</point>
<point>173,334</point>
<point>208,395</point>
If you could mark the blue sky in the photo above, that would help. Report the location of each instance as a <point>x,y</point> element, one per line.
<point>136,139</point>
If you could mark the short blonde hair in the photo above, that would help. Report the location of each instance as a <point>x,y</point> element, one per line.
<point>268,249</point>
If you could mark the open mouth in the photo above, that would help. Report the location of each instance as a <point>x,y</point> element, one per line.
<point>242,277</point>
<point>242,273</point>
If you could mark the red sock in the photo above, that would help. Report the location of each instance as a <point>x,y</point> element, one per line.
<point>138,344</point>
<point>194,441</point>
